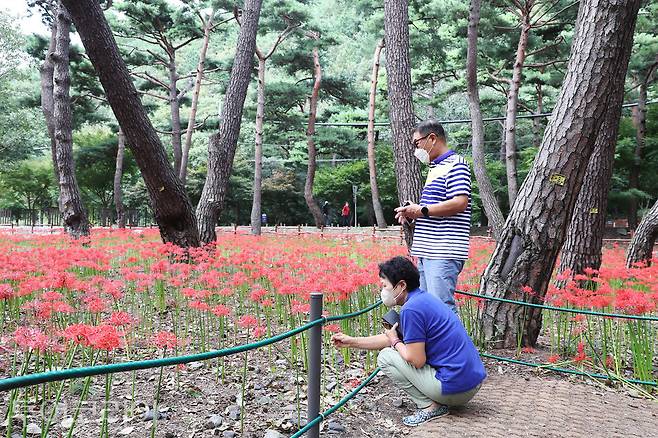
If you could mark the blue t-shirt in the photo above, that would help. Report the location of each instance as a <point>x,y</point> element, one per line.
<point>448,348</point>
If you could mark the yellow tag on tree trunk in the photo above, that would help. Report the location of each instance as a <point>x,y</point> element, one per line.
<point>558,179</point>
<point>593,210</point>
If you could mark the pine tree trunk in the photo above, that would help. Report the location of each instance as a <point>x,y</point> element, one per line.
<point>73,213</point>
<point>640,251</point>
<point>640,121</point>
<point>582,248</point>
<point>489,202</point>
<point>222,145</point>
<point>258,150</point>
<point>174,108</point>
<point>407,168</point>
<point>374,189</point>
<point>536,121</point>
<point>537,224</point>
<point>47,99</point>
<point>185,152</point>
<point>310,141</point>
<point>171,206</point>
<point>512,108</point>
<point>118,173</point>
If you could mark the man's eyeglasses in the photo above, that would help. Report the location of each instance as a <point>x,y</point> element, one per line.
<point>416,141</point>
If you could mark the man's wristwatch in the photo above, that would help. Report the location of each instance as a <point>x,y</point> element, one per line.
<point>425,210</point>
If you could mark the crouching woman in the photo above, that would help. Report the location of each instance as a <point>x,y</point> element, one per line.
<point>435,362</point>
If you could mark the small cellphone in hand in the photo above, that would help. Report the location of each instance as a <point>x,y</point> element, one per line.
<point>389,319</point>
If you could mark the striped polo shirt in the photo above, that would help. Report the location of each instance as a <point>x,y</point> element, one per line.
<point>444,237</point>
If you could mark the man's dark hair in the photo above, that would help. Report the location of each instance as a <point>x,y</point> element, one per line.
<point>430,126</point>
<point>398,269</point>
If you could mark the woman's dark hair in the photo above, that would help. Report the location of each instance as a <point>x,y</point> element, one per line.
<point>398,269</point>
<point>430,126</point>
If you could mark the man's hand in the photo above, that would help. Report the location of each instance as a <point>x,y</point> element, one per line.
<point>408,213</point>
<point>341,340</point>
<point>392,334</point>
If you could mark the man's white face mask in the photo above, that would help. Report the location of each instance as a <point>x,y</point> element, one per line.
<point>422,155</point>
<point>388,296</point>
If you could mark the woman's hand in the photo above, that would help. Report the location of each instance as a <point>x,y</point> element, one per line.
<point>392,334</point>
<point>341,340</point>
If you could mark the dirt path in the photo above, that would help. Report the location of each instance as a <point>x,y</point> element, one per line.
<point>519,405</point>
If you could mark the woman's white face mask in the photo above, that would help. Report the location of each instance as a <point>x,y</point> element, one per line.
<point>389,298</point>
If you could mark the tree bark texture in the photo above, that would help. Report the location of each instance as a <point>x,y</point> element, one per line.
<point>512,106</point>
<point>222,145</point>
<point>489,201</point>
<point>171,206</point>
<point>118,173</point>
<point>47,99</point>
<point>582,248</point>
<point>313,206</point>
<point>640,121</point>
<point>201,66</point>
<point>174,109</point>
<point>640,251</point>
<point>73,212</point>
<point>407,168</point>
<point>258,150</point>
<point>374,188</point>
<point>536,226</point>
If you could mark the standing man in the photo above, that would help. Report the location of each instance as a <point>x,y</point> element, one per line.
<point>443,215</point>
<point>345,214</point>
<point>325,213</point>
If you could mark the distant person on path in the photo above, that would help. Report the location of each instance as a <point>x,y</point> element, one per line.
<point>345,214</point>
<point>435,362</point>
<point>325,212</point>
<point>443,215</point>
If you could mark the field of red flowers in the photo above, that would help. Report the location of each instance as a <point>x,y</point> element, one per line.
<point>123,295</point>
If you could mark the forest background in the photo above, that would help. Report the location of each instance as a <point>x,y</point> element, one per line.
<point>346,35</point>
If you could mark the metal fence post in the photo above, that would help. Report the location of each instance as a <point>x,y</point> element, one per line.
<point>314,364</point>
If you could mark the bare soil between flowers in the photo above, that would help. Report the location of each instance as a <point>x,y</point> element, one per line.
<point>194,402</point>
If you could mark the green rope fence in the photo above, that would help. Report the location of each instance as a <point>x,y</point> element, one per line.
<point>561,309</point>
<point>71,373</point>
<point>568,371</point>
<point>335,407</point>
<point>98,370</point>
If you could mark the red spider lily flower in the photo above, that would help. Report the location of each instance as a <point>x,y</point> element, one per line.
<point>165,340</point>
<point>247,321</point>
<point>528,350</point>
<point>105,337</point>
<point>199,305</point>
<point>51,295</point>
<point>528,290</point>
<point>95,304</point>
<point>554,358</point>
<point>353,382</point>
<point>121,319</point>
<point>220,310</point>
<point>6,291</point>
<point>78,333</point>
<point>257,294</point>
<point>62,307</point>
<point>29,338</point>
<point>564,275</point>
<point>581,356</point>
<point>298,307</point>
<point>267,302</point>
<point>333,328</point>
<point>226,292</point>
<point>258,331</point>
